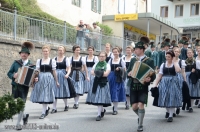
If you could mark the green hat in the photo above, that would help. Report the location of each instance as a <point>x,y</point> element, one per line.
<point>175,45</point>
<point>197,42</point>
<point>167,42</point>
<point>184,40</point>
<point>162,45</point>
<point>143,41</point>
<point>153,46</point>
<point>26,47</point>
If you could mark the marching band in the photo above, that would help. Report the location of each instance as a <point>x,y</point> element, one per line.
<point>108,79</point>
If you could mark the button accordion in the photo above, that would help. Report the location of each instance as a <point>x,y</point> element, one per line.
<point>26,76</point>
<point>140,71</point>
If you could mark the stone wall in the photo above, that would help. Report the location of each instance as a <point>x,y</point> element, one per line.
<point>9,51</point>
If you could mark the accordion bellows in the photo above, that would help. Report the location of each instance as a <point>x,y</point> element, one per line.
<point>140,71</point>
<point>26,76</point>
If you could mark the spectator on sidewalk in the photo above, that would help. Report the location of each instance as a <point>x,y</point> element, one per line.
<point>88,34</point>
<point>96,36</point>
<point>80,34</point>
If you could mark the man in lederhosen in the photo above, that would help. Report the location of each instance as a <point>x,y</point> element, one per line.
<point>138,91</point>
<point>21,91</point>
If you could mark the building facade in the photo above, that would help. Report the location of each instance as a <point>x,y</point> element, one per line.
<point>185,14</point>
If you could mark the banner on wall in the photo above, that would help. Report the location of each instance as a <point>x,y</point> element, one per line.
<point>124,17</point>
<point>139,31</point>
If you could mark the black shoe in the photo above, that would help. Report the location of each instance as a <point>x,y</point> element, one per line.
<point>42,116</point>
<point>98,118</point>
<point>53,111</point>
<point>66,108</point>
<point>196,102</point>
<point>102,113</point>
<point>25,120</point>
<point>140,128</point>
<point>177,111</point>
<point>166,115</point>
<point>190,110</point>
<point>127,107</point>
<point>170,119</point>
<point>187,108</point>
<point>115,113</point>
<point>18,127</point>
<point>47,111</point>
<point>75,106</point>
<point>199,106</point>
<point>174,115</point>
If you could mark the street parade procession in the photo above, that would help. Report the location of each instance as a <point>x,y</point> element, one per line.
<point>110,77</point>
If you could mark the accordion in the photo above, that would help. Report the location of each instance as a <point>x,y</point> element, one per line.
<point>140,71</point>
<point>26,76</point>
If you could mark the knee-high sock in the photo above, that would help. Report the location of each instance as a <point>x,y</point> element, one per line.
<point>76,99</point>
<point>115,105</point>
<point>128,101</point>
<point>141,113</point>
<point>20,115</point>
<point>54,104</point>
<point>44,106</point>
<point>65,100</point>
<point>167,109</point>
<point>136,111</point>
<point>99,110</point>
<point>192,102</point>
<point>171,111</point>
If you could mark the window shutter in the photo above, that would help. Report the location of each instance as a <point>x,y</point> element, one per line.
<point>92,5</point>
<point>99,6</point>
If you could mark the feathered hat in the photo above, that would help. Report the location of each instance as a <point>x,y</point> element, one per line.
<point>167,42</point>
<point>26,47</point>
<point>173,42</point>
<point>143,40</point>
<point>197,42</point>
<point>152,45</point>
<point>184,40</point>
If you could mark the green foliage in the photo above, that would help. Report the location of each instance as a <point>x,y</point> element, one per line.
<point>9,106</point>
<point>106,30</point>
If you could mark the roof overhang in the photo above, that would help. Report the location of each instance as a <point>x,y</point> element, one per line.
<point>154,23</point>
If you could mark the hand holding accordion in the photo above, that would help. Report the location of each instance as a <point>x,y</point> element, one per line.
<point>141,71</point>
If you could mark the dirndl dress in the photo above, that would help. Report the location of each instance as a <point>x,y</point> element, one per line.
<point>88,84</point>
<point>117,89</point>
<point>77,76</point>
<point>170,91</point>
<point>65,90</point>
<point>43,92</point>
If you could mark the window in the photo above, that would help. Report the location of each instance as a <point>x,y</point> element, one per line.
<point>76,3</point>
<point>178,10</point>
<point>164,11</point>
<point>194,9</point>
<point>96,5</point>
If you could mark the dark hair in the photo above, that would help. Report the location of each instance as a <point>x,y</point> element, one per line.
<point>104,52</point>
<point>171,53</point>
<point>90,47</point>
<point>116,48</point>
<point>120,49</point>
<point>94,23</point>
<point>75,47</point>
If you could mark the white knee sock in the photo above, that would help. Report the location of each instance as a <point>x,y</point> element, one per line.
<point>20,115</point>
<point>115,105</point>
<point>65,101</point>
<point>128,101</point>
<point>76,99</point>
<point>192,102</point>
<point>171,111</point>
<point>99,110</point>
<point>54,104</point>
<point>44,106</point>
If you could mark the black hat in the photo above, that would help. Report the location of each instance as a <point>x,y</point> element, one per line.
<point>143,41</point>
<point>183,40</point>
<point>197,42</point>
<point>167,42</point>
<point>26,47</point>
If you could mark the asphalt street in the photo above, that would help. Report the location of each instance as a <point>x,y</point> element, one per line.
<point>83,119</point>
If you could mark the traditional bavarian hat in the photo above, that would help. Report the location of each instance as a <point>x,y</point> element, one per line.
<point>26,47</point>
<point>143,41</point>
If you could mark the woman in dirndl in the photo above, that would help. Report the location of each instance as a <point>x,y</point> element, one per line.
<point>99,94</point>
<point>116,83</point>
<point>66,89</point>
<point>197,86</point>
<point>77,62</point>
<point>90,61</point>
<point>109,54</point>
<point>127,58</point>
<point>170,92</point>
<point>43,92</point>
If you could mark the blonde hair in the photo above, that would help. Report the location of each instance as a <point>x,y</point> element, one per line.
<point>46,47</point>
<point>129,47</point>
<point>108,44</point>
<point>62,47</point>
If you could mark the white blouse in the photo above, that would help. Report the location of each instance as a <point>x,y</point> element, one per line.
<point>42,63</point>
<point>95,58</point>
<point>82,60</point>
<point>66,60</point>
<point>198,64</point>
<point>161,67</point>
<point>123,64</point>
